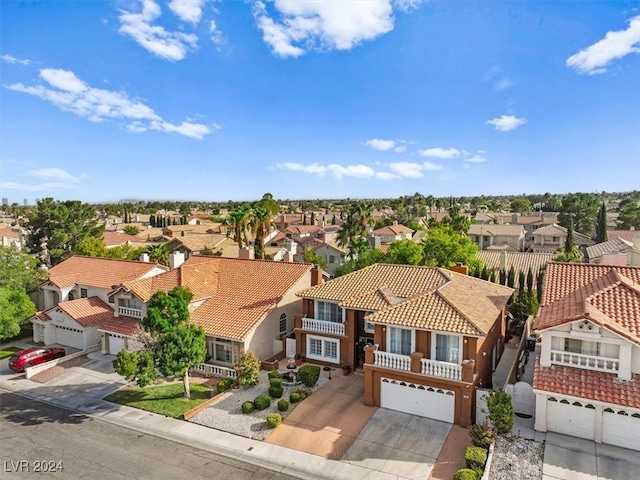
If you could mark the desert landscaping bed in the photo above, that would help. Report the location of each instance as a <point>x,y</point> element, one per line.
<point>57,370</point>
<point>515,457</point>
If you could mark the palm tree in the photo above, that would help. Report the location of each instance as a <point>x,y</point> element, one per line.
<point>260,223</point>
<point>238,220</point>
<point>158,253</point>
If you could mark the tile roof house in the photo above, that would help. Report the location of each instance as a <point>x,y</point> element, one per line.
<point>551,237</point>
<point>75,299</point>
<point>391,233</point>
<point>616,251</point>
<point>434,335</point>
<point>241,304</point>
<point>587,379</point>
<point>628,235</point>
<point>190,245</point>
<point>490,236</point>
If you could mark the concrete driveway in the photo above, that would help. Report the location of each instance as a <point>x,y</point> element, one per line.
<point>569,458</point>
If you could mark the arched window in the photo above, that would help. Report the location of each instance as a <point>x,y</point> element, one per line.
<point>283,324</point>
<point>71,296</point>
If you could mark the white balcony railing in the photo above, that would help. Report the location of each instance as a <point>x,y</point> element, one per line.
<point>130,312</point>
<point>215,370</point>
<point>322,326</point>
<point>392,360</point>
<point>435,368</point>
<point>589,362</point>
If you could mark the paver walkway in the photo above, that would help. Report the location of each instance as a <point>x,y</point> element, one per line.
<point>327,422</point>
<point>451,458</point>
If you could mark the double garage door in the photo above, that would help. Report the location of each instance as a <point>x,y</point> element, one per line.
<point>619,427</point>
<point>69,337</point>
<point>115,344</point>
<point>422,400</point>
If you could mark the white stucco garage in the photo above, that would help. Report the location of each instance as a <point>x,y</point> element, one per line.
<point>422,400</point>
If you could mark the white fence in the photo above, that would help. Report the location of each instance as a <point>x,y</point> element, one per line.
<point>441,369</point>
<point>322,326</point>
<point>482,411</point>
<point>215,370</point>
<point>393,360</point>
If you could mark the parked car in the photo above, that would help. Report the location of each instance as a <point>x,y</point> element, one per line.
<point>34,356</point>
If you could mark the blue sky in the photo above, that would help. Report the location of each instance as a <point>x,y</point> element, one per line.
<point>217,100</point>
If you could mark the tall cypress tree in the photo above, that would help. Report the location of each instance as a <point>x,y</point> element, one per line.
<point>601,226</point>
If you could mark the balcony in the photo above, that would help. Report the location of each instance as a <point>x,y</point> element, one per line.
<point>322,326</point>
<point>589,362</point>
<point>435,368</point>
<point>431,368</point>
<point>130,312</point>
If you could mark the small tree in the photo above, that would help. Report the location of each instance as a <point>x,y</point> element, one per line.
<point>529,279</point>
<point>15,308</point>
<point>500,411</point>
<point>601,225</point>
<point>521,280</point>
<point>248,368</point>
<point>131,230</point>
<point>511,277</point>
<point>138,366</point>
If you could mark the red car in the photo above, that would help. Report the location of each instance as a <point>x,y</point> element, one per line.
<point>33,356</point>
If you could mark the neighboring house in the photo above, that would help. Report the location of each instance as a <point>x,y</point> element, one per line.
<point>550,238</point>
<point>190,245</point>
<point>303,233</point>
<point>627,235</point>
<point>75,299</point>
<point>393,233</point>
<point>587,379</point>
<point>489,235</point>
<point>183,230</point>
<point>333,255</point>
<point>11,237</point>
<point>435,335</point>
<point>521,262</point>
<point>115,239</point>
<point>241,304</point>
<point>616,251</point>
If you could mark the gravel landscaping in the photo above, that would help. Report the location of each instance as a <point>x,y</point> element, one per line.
<point>515,457</point>
<point>57,370</point>
<point>225,414</point>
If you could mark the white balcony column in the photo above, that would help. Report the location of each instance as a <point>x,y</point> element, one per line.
<point>624,366</point>
<point>541,413</point>
<point>545,350</point>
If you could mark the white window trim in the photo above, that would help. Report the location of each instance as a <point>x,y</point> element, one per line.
<point>413,337</point>
<point>322,357</point>
<point>316,310</point>
<point>434,343</point>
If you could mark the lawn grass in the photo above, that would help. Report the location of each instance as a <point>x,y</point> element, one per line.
<point>166,400</point>
<point>7,352</point>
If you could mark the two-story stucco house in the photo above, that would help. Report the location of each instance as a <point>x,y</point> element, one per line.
<point>241,304</point>
<point>434,335</point>
<point>392,233</point>
<point>587,381</point>
<point>75,299</point>
<point>489,236</point>
<point>551,237</point>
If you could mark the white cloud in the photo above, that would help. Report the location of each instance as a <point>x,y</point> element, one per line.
<point>71,94</point>
<point>502,84</point>
<point>54,173</point>
<point>381,145</point>
<point>432,166</point>
<point>386,176</point>
<point>504,123</point>
<point>614,45</point>
<point>215,33</point>
<point>407,5</point>
<point>438,152</point>
<point>400,149</point>
<point>360,171</point>
<point>188,10</point>
<point>407,169</point>
<point>308,24</point>
<point>154,38</point>
<point>10,59</point>
<point>475,159</point>
<point>297,167</point>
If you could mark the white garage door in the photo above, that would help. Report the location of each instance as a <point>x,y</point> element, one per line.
<point>421,400</point>
<point>69,337</point>
<point>571,418</point>
<point>621,428</point>
<point>115,344</point>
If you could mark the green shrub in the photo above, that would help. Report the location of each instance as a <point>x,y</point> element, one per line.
<point>283,405</point>
<point>224,384</point>
<point>294,397</point>
<point>466,474</point>
<point>262,401</point>
<point>274,419</point>
<point>482,435</point>
<point>475,458</point>
<point>303,392</point>
<point>248,368</point>
<point>275,382</point>
<point>500,411</point>
<point>276,392</point>
<point>248,407</point>
<point>309,374</point>
<point>274,374</point>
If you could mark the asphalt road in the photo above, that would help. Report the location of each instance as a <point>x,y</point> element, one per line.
<point>38,440</point>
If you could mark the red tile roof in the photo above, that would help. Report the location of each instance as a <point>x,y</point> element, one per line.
<point>98,272</point>
<point>589,384</point>
<point>627,235</point>
<point>392,230</point>
<point>117,238</point>
<point>87,311</point>
<point>121,325</point>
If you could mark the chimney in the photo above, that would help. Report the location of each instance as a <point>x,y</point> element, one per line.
<point>247,253</point>
<point>316,276</point>
<point>514,219</point>
<point>144,258</point>
<point>395,222</point>
<point>288,257</point>
<point>503,260</point>
<point>460,268</point>
<point>374,241</point>
<point>176,259</point>
<point>634,254</point>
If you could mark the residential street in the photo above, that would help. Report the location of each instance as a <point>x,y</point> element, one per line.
<point>36,435</point>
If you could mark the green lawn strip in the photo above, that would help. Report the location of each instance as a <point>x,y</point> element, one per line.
<point>7,352</point>
<point>166,400</point>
